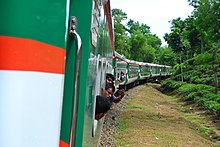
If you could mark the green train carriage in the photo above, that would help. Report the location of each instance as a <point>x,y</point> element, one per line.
<point>137,72</point>
<point>120,69</point>
<point>54,56</point>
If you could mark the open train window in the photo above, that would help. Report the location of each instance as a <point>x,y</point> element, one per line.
<point>99,84</point>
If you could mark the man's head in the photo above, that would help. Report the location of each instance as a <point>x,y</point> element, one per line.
<point>102,106</point>
<point>108,90</point>
<point>110,78</point>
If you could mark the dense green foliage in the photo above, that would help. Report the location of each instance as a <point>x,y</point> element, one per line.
<point>196,41</point>
<point>193,50</point>
<point>199,93</point>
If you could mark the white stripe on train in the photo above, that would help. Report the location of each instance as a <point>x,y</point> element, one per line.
<point>30,108</point>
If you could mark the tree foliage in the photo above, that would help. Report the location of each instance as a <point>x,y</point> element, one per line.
<point>134,39</point>
<point>122,43</point>
<point>197,40</point>
<point>166,56</point>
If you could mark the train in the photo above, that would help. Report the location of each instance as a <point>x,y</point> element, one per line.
<point>54,56</point>
<point>130,73</point>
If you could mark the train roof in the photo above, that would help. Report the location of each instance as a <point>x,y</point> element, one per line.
<point>168,66</point>
<point>157,65</point>
<point>140,63</point>
<point>123,58</point>
<point>133,62</point>
<point>145,64</point>
<point>120,56</point>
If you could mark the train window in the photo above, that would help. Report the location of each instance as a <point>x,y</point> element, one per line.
<point>97,91</point>
<point>100,84</point>
<point>95,22</point>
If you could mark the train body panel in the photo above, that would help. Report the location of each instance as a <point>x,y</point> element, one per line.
<point>120,65</point>
<point>40,47</point>
<point>94,26</point>
<point>32,56</point>
<point>33,113</point>
<point>133,71</point>
<point>76,72</point>
<point>145,71</point>
<point>100,63</point>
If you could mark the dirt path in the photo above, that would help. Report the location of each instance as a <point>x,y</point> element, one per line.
<point>151,119</point>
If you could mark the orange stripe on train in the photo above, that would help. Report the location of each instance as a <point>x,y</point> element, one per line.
<point>30,55</point>
<point>63,144</point>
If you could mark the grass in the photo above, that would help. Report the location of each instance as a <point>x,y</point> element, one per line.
<point>151,119</point>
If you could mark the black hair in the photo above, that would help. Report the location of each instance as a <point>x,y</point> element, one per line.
<point>102,104</point>
<point>110,85</point>
<point>108,75</point>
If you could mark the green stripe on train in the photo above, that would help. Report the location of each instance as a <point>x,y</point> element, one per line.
<point>42,20</point>
<point>83,13</point>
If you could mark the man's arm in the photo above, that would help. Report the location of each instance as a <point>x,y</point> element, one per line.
<point>118,95</point>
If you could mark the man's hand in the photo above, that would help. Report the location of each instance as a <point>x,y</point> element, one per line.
<point>121,92</point>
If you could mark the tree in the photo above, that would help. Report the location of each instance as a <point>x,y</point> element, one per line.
<point>154,41</point>
<point>134,40</point>
<point>136,26</point>
<point>122,44</point>
<point>166,56</point>
<point>177,41</point>
<point>207,14</point>
<point>175,38</point>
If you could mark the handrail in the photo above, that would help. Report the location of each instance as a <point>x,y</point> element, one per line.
<point>74,34</point>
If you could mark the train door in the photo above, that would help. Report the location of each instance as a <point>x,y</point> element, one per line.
<point>76,72</point>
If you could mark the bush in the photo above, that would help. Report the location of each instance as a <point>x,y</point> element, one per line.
<point>213,106</point>
<point>170,85</point>
<point>201,94</point>
<point>195,90</point>
<point>205,98</point>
